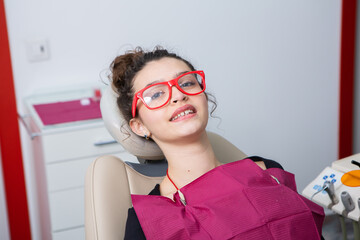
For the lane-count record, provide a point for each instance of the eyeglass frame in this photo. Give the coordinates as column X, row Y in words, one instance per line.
column 170, row 84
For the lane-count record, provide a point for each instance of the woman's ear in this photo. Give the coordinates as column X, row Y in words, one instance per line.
column 138, row 127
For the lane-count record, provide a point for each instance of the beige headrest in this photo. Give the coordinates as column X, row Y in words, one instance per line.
column 121, row 131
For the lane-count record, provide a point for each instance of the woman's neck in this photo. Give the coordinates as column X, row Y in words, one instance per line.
column 189, row 160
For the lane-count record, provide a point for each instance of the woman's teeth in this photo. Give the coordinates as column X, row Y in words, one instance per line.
column 182, row 114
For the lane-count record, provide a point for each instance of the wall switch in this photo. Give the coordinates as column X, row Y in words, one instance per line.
column 38, row 50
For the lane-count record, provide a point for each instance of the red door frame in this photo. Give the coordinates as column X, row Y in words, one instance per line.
column 347, row 72
column 11, row 157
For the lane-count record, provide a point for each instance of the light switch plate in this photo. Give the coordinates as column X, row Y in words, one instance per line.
column 38, row 50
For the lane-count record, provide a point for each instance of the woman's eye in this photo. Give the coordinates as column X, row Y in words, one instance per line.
column 187, row 84
column 156, row 95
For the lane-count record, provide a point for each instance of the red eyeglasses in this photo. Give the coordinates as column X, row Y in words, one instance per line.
column 158, row 95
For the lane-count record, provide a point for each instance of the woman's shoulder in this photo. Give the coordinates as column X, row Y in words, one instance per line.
column 156, row 190
column 131, row 211
column 267, row 162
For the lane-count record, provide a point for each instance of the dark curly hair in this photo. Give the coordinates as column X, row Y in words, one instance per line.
column 126, row 66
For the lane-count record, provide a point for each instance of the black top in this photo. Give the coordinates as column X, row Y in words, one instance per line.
column 133, row 229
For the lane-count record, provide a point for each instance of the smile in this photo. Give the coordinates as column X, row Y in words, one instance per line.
column 186, row 112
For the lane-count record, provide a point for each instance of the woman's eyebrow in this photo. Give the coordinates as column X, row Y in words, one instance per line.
column 180, row 73
column 157, row 81
column 153, row 82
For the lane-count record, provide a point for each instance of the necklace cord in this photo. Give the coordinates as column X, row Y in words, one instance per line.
column 181, row 195
column 167, row 174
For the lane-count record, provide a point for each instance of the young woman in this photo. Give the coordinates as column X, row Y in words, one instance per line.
column 163, row 99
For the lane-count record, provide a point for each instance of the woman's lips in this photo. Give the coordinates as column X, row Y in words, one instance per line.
column 183, row 111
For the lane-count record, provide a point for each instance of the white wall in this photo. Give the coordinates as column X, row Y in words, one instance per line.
column 272, row 64
column 4, row 225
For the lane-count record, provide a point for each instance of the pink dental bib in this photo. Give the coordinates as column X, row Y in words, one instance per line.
column 237, row 200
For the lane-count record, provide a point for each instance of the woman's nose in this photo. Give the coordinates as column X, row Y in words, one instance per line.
column 177, row 95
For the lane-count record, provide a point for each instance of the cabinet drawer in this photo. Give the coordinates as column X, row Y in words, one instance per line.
column 67, row 174
column 70, row 174
column 73, row 234
column 67, row 209
column 78, row 144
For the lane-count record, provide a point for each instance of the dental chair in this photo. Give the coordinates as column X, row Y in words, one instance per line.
column 110, row 181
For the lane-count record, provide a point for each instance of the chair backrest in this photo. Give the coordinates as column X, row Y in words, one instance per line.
column 110, row 182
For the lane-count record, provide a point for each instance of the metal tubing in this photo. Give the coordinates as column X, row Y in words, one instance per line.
column 356, row 230
column 27, row 127
column 343, row 227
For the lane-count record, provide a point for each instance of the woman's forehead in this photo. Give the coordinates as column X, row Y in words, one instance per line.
column 161, row 70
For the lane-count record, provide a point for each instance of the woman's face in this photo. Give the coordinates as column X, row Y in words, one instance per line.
column 161, row 122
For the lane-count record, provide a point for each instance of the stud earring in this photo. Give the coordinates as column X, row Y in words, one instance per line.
column 146, row 137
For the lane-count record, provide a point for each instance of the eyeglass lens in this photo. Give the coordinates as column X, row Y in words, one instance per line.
column 158, row 95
